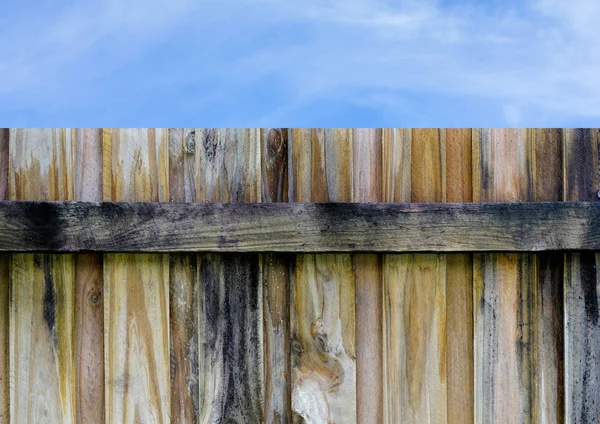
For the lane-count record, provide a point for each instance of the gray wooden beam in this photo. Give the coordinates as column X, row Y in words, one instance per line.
column 297, row 227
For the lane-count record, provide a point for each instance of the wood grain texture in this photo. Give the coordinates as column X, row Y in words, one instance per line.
column 42, row 335
column 308, row 227
column 136, row 287
column 546, row 168
column 582, row 287
column 518, row 371
column 323, row 314
column 4, row 290
column 89, row 287
column 231, row 322
column 183, row 286
column 275, row 271
column 367, row 187
column 459, row 285
column 415, row 305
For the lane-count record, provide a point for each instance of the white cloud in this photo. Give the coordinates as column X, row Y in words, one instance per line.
column 541, row 60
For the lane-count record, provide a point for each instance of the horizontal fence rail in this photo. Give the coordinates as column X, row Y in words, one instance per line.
column 297, row 227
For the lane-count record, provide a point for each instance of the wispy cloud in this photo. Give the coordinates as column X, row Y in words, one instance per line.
column 267, row 62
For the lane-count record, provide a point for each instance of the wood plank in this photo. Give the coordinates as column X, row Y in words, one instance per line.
column 230, row 315
column 415, row 304
column 183, row 288
column 582, row 286
column 275, row 271
column 323, row 313
column 4, row 290
column 42, row 336
column 459, row 285
column 546, row 147
column 307, row 227
column 89, row 287
column 517, row 305
column 367, row 187
column 136, row 287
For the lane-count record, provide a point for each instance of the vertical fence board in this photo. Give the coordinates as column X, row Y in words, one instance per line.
column 323, row 316
column 546, row 167
column 4, row 289
column 276, row 285
column 89, row 305
column 367, row 187
column 459, row 285
column 415, row 301
column 136, row 302
column 582, row 287
column 183, row 287
column 507, row 297
column 42, row 348
column 230, row 306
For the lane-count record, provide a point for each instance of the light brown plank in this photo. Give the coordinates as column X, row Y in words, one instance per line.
column 367, row 187
column 459, row 285
column 4, row 290
column 89, row 287
column 582, row 286
column 275, row 271
column 183, row 292
column 323, row 314
column 42, row 334
column 230, row 315
column 416, row 355
column 136, row 287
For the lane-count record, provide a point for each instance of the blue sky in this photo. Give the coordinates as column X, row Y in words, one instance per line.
column 352, row 63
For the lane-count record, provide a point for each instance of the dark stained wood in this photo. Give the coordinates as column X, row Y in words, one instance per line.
column 230, row 363
column 306, row 227
column 582, row 287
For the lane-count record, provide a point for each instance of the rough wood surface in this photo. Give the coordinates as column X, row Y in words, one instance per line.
column 183, row 286
column 89, row 305
column 275, row 271
column 415, row 304
column 136, row 287
column 582, row 287
column 42, row 330
column 323, row 315
column 518, row 371
column 230, row 315
column 4, row 290
column 459, row 285
column 367, row 187
column 281, row 227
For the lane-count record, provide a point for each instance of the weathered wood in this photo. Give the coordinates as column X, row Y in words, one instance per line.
column 546, row 168
column 42, row 343
column 323, row 314
column 89, row 305
column 183, row 286
column 275, row 271
column 136, row 287
column 517, row 305
column 230, row 329
column 367, row 187
column 415, row 305
column 281, row 227
column 4, row 290
column 459, row 285
column 582, row 286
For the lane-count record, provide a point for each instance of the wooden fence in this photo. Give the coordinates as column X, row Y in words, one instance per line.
column 274, row 336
